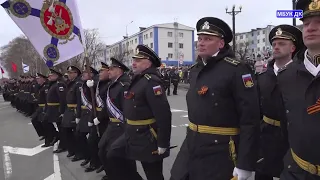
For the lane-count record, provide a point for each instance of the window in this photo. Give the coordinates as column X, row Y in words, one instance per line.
column 151, row 45
column 258, row 41
column 136, row 40
column 264, row 40
column 252, row 34
column 181, row 35
column 151, row 34
column 258, row 49
column 180, row 45
column 146, row 36
column 258, row 33
column 169, row 34
column 264, row 48
column 264, row 31
column 252, row 42
column 170, row 55
column 170, row 45
column 241, row 37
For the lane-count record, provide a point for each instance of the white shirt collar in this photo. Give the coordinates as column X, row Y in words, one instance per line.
column 309, row 66
column 276, row 68
column 205, row 63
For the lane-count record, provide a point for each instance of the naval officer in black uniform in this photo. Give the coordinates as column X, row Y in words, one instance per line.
column 300, row 85
column 286, row 41
column 148, row 114
column 223, row 109
column 68, row 120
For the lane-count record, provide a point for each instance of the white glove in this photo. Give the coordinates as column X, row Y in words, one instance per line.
column 161, row 150
column 241, row 174
column 90, row 83
column 90, row 124
column 96, row 121
column 61, row 115
column 77, row 120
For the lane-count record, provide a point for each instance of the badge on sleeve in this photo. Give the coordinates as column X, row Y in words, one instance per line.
column 157, row 90
column 247, row 80
column 61, row 89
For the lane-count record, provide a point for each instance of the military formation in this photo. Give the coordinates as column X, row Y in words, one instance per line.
column 240, row 122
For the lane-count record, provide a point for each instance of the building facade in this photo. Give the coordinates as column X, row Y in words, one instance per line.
column 255, row 41
column 173, row 42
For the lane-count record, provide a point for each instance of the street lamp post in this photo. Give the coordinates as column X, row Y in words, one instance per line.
column 127, row 45
column 294, row 3
column 233, row 13
column 127, row 28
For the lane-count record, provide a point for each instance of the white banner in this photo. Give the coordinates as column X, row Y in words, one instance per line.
column 53, row 27
column 25, row 68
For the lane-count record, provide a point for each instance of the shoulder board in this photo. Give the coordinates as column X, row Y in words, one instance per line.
column 152, row 77
column 147, row 76
column 124, row 83
column 193, row 65
column 232, row 61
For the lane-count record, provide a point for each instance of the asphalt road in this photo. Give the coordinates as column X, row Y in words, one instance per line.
column 38, row 164
column 17, row 131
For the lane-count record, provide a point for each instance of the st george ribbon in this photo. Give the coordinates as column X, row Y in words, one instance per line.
column 53, row 27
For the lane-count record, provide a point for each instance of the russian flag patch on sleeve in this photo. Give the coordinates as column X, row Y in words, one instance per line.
column 157, row 90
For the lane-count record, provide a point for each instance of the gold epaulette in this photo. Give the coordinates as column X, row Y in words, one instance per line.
column 232, row 61
column 147, row 76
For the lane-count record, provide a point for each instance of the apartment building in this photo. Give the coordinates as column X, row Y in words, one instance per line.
column 173, row 42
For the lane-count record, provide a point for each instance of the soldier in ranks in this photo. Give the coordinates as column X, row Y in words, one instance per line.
column 68, row 121
column 27, row 96
column 148, row 115
column 31, row 100
column 40, row 99
column 300, row 83
column 102, row 118
column 55, row 107
column 167, row 81
column 118, row 167
column 84, row 118
column 223, row 108
column 94, row 134
column 20, row 94
column 286, row 41
column 13, row 92
column 175, row 78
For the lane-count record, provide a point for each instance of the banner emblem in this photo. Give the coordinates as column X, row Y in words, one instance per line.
column 57, row 20
column 20, row 8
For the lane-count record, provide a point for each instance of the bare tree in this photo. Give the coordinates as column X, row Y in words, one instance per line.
column 119, row 56
column 21, row 50
column 94, row 46
column 242, row 50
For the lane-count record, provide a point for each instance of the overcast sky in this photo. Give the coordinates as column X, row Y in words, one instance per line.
column 112, row 16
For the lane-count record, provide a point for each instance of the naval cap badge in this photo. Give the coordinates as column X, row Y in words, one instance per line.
column 206, row 25
column 279, row 32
